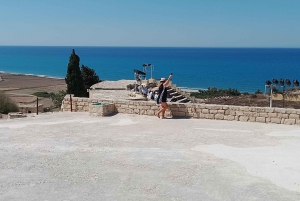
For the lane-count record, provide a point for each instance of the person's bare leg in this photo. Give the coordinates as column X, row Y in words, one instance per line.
column 160, row 111
column 165, row 107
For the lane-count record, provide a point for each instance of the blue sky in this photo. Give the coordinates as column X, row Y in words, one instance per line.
column 164, row 23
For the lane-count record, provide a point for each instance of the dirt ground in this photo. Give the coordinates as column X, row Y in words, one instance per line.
column 23, row 85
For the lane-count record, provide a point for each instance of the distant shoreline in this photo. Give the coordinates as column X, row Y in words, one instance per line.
column 23, row 74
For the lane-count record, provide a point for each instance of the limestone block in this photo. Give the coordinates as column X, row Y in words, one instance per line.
column 261, row 119
column 154, row 107
column 263, row 114
column 214, row 107
column 245, row 108
column 234, row 108
column 205, row 111
column 81, row 103
column 221, row 111
column 232, row 113
column 280, row 110
column 276, row 120
column 269, row 109
column 129, row 111
column 217, row 107
column 239, row 113
column 178, row 114
column 168, row 114
column 201, row 116
column 183, row 109
column 290, row 121
column 272, row 115
column 291, row 111
column 226, row 112
column 268, row 119
column 188, row 114
column 236, row 118
column 297, row 122
column 209, row 116
column 294, row 116
column 229, row 117
column 132, row 106
column 225, row 107
column 198, row 110
column 202, row 106
column 281, row 115
column 146, row 107
column 252, row 119
column 213, row 111
column 191, row 109
column 136, row 111
column 219, row 116
column 243, row 118
column 124, row 106
column 196, row 115
column 249, row 114
column 150, row 112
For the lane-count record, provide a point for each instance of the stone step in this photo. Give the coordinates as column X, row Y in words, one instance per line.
column 178, row 97
column 170, row 90
column 174, row 93
column 182, row 100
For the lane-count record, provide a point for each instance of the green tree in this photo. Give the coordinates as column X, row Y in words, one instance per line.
column 89, row 77
column 74, row 78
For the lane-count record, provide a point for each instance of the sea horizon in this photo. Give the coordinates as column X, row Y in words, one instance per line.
column 242, row 68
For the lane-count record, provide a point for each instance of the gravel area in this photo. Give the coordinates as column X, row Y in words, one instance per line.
column 73, row 156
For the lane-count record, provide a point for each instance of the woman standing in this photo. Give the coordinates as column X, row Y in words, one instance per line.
column 163, row 95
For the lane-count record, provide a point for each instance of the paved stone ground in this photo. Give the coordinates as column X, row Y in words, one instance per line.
column 72, row 156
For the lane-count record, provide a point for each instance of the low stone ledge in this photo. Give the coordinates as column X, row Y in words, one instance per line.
column 202, row 111
column 14, row 115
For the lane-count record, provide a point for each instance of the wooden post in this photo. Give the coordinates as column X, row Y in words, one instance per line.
column 37, row 105
column 71, row 102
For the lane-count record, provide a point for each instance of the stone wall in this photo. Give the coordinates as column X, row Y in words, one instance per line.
column 193, row 110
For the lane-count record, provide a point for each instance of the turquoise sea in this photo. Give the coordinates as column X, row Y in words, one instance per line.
column 245, row 69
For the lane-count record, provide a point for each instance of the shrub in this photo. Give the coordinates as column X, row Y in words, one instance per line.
column 257, row 92
column 57, row 98
column 214, row 92
column 43, row 94
column 7, row 105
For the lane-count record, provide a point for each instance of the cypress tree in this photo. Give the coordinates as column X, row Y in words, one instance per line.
column 73, row 78
column 89, row 76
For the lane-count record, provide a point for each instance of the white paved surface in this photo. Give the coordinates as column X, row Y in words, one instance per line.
column 72, row 156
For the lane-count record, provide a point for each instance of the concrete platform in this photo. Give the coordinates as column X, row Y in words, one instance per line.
column 74, row 156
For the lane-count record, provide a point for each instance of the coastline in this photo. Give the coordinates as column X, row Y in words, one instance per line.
column 28, row 84
column 8, row 75
column 29, row 74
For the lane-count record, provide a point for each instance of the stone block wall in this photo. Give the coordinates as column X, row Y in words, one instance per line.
column 193, row 110
column 98, row 109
